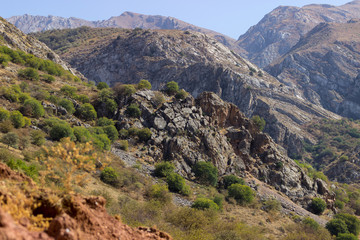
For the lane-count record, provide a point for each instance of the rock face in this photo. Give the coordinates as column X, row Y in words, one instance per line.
column 198, row 63
column 282, row 28
column 209, row 129
column 28, row 23
column 324, row 67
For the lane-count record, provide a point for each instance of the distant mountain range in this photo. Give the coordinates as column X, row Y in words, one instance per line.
column 28, row 23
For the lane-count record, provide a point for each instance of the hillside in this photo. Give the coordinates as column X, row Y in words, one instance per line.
column 129, row 20
column 324, row 67
column 282, row 28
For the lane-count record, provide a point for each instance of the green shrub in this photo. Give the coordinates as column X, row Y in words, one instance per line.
column 352, row 222
column 271, row 205
column 48, row 78
column 10, row 139
column 158, row 99
column 339, row 204
column 232, row 179
column 336, row 226
column 33, row 108
column 172, row 88
column 109, row 176
column 218, row 199
column 41, row 95
column 144, row 84
column 144, row 134
column 68, row 90
column 4, row 59
column 111, row 132
column 102, row 85
column 59, row 131
column 6, row 126
column 10, row 94
column 37, row 137
column 308, row 221
column 103, row 121
column 17, row 119
column 124, row 145
column 241, row 193
column 346, row 236
column 4, row 114
column 87, row 112
column 163, row 169
column 68, row 105
column 82, row 134
column 204, row 203
column 6, row 155
column 206, row 173
column 123, row 133
column 102, row 141
column 182, row 94
column 133, row 110
column 19, row 165
column 83, row 98
column 160, row 193
column 177, row 183
column 124, row 89
column 23, row 97
column 259, row 122
column 29, row 73
column 317, row 206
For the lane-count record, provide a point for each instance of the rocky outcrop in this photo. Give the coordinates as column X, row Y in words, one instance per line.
column 199, row 63
column 324, row 68
column 282, row 28
column 209, row 129
column 28, row 23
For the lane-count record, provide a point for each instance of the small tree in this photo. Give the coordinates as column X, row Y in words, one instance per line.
column 111, row 132
column 317, row 206
column 206, row 173
column 144, row 84
column 103, row 121
column 336, row 226
column 204, row 203
column 182, row 94
column 82, row 134
column 17, row 119
column 109, row 176
column 37, row 137
column 33, row 108
column 102, row 85
column 163, row 169
column 59, row 131
column 352, row 222
column 160, row 193
column 68, row 90
column 144, row 134
column 177, row 183
column 87, row 112
column 172, row 88
column 241, row 193
column 232, row 179
column 68, row 105
column 259, row 122
column 133, row 110
column 10, row 139
column 124, row 89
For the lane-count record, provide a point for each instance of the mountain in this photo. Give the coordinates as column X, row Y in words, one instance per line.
column 198, row 63
column 28, row 23
column 324, row 67
column 282, row 28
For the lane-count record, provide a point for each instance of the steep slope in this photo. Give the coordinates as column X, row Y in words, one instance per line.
column 198, row 63
column 28, row 23
column 282, row 28
column 324, row 67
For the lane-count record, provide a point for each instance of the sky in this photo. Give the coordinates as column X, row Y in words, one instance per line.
column 230, row 17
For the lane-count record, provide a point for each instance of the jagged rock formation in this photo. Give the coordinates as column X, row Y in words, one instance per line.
column 14, row 38
column 324, row 67
column 209, row 129
column 28, row 23
column 198, row 63
column 282, row 28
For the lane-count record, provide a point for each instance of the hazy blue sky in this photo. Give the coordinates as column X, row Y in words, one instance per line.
column 230, row 17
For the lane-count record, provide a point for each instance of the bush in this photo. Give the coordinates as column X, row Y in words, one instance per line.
column 271, row 205
column 4, row 114
column 109, row 176
column 352, row 222
column 308, row 221
column 144, row 84
column 158, row 99
column 59, row 131
column 103, row 121
column 48, row 78
column 102, row 141
column 17, row 119
column 33, row 108
column 346, row 236
column 317, row 206
column 160, row 193
column 4, row 59
column 232, row 179
column 87, row 112
column 6, row 126
column 124, row 89
column 29, row 73
column 206, row 173
column 163, row 169
column 182, row 94
column 241, row 193
column 68, row 90
column 23, row 97
column 204, row 203
column 83, row 98
column 172, row 88
column 10, row 139
column 37, row 137
column 82, row 134
column 177, row 184
column 259, row 122
column 102, row 85
column 123, row 133
column 339, row 204
column 336, row 226
column 124, row 145
column 111, row 132
column 68, row 105
column 144, row 134
column 133, row 110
